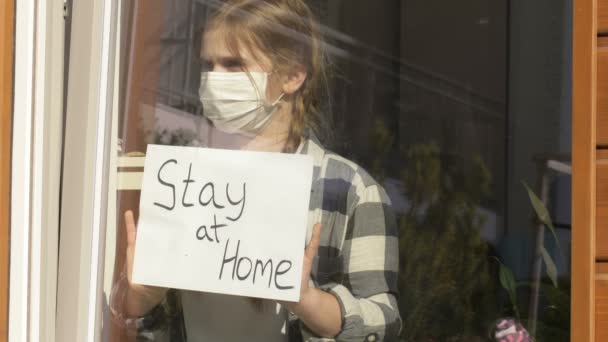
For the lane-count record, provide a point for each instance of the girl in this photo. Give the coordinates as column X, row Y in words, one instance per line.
column 260, row 89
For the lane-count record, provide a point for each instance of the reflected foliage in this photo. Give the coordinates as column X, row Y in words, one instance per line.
column 453, row 287
column 448, row 292
column 554, row 324
column 179, row 137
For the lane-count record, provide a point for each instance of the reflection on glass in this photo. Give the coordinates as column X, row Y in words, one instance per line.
column 418, row 100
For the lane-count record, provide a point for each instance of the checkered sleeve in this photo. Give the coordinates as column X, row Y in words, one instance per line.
column 367, row 294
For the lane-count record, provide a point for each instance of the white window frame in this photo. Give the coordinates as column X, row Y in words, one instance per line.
column 87, row 155
column 55, row 293
column 35, row 168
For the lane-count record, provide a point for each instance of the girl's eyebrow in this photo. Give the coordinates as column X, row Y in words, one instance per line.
column 231, row 60
column 224, row 60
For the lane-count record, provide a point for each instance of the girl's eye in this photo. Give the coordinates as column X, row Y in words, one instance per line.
column 207, row 65
column 232, row 64
column 229, row 64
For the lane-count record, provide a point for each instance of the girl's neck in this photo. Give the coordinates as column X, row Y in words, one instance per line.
column 274, row 136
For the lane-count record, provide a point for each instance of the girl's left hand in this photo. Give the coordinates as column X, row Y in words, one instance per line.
column 319, row 310
column 310, row 252
column 309, row 256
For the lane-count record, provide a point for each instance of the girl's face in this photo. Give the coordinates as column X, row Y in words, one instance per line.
column 216, row 57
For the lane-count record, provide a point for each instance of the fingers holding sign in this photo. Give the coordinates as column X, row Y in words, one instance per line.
column 131, row 230
column 309, row 256
column 140, row 298
column 313, row 246
column 319, row 310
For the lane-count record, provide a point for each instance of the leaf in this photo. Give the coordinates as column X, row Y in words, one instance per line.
column 551, row 269
column 539, row 207
column 507, row 280
column 543, row 215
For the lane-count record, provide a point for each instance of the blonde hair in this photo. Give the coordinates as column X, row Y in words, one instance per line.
column 287, row 33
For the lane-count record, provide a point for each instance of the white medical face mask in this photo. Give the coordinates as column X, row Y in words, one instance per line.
column 236, row 101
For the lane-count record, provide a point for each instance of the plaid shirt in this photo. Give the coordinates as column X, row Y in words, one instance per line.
column 358, row 258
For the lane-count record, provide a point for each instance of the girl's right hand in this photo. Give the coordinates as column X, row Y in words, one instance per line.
column 131, row 236
column 141, row 297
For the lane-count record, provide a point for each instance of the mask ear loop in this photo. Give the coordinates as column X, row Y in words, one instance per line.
column 280, row 97
column 277, row 100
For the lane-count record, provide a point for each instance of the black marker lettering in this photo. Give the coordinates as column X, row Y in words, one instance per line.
column 172, row 206
column 187, row 182
column 238, row 267
column 233, row 259
column 215, row 226
column 279, row 272
column 255, row 270
column 204, row 235
column 241, row 202
column 211, row 199
column 244, row 267
column 204, row 204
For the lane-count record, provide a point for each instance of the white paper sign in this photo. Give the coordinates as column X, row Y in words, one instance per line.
column 223, row 221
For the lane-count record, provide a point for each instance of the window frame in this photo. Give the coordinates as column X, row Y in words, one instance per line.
column 90, row 138
column 35, row 168
column 87, row 153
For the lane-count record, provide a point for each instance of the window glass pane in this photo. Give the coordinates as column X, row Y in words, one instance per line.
column 449, row 122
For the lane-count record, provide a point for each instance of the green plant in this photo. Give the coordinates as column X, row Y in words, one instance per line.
column 556, row 301
column 448, row 290
column 451, row 288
